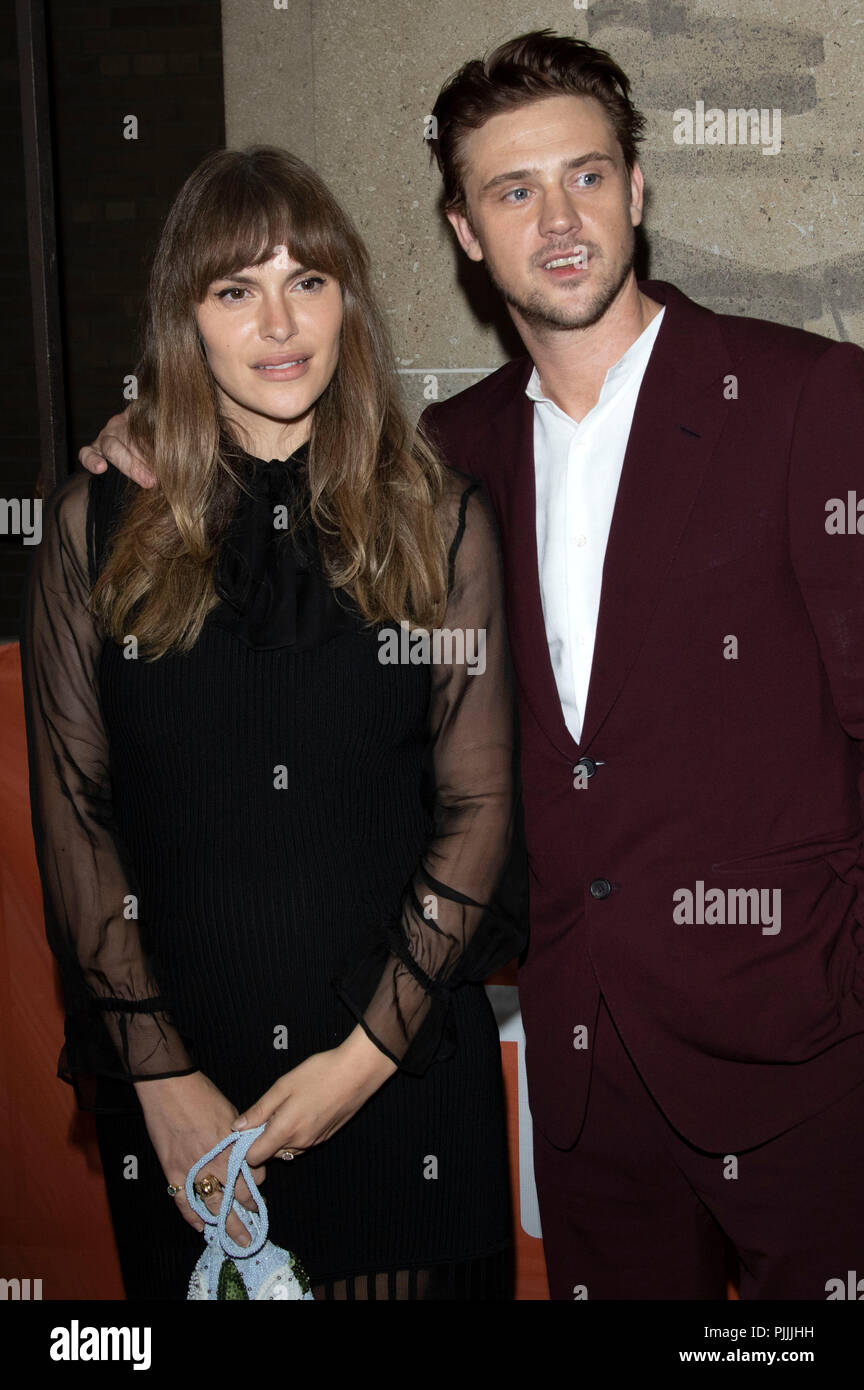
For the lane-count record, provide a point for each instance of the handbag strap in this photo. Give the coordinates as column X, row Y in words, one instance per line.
column 255, row 1222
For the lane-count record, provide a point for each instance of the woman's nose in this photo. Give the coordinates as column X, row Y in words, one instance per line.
column 277, row 319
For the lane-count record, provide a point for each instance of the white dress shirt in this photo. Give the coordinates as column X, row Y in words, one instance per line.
column 577, row 467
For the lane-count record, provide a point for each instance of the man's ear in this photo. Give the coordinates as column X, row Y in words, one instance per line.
column 637, row 186
column 465, row 232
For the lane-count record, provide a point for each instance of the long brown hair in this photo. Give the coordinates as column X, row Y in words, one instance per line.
column 373, row 482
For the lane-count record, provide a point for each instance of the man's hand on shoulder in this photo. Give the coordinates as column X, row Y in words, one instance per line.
column 115, row 447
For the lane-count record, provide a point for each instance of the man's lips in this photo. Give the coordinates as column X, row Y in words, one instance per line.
column 566, row 262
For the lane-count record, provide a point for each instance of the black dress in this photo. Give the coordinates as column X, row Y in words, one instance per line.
column 247, row 848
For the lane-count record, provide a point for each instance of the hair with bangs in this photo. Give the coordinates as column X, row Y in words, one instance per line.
column 523, row 70
column 373, row 482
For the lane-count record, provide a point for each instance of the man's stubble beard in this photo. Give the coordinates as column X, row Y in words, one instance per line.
column 538, row 314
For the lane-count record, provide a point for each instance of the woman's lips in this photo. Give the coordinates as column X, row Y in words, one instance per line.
column 287, row 371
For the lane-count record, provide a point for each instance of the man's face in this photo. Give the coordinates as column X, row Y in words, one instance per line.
column 547, row 182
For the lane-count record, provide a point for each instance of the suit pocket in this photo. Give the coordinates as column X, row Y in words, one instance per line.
column 836, row 848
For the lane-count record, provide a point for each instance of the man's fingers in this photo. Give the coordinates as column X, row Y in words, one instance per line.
column 91, row 459
column 113, row 448
column 96, row 458
column 127, row 462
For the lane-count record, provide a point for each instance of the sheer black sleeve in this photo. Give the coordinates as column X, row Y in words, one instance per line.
column 463, row 913
column 117, row 1024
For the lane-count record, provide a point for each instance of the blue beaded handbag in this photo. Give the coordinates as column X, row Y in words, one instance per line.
column 226, row 1270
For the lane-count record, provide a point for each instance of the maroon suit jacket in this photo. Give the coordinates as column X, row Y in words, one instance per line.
column 736, row 772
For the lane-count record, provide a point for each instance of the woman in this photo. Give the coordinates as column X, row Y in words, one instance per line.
column 270, row 853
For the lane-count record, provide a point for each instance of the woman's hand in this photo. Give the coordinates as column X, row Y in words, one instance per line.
column 313, row 1100
column 114, row 446
column 186, row 1116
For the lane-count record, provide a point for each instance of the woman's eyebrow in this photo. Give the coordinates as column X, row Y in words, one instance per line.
column 241, row 279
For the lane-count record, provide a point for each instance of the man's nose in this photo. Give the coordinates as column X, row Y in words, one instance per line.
column 558, row 213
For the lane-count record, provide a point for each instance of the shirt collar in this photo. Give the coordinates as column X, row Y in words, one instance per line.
column 630, row 365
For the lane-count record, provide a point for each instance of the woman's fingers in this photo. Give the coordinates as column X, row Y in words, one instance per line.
column 242, row 1193
column 278, row 1115
column 233, row 1225
column 218, row 1170
column 185, row 1210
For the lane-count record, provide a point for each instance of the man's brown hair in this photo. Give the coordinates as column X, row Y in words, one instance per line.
column 525, row 69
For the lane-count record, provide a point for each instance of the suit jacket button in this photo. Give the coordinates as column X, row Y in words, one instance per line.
column 589, row 765
column 600, row 888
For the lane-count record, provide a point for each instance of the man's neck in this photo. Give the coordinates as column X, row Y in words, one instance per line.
column 572, row 364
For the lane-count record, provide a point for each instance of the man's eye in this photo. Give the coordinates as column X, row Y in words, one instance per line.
column 512, row 194
column 590, row 176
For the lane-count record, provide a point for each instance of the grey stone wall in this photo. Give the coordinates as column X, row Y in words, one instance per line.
column 772, row 235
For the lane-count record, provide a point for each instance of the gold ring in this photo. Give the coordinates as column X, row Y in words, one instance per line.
column 207, row 1186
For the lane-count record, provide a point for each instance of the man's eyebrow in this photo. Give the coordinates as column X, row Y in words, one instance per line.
column 594, row 157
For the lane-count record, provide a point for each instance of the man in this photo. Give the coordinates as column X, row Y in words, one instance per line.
column 686, row 627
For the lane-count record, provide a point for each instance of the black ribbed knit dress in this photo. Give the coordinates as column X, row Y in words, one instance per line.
column 249, row 847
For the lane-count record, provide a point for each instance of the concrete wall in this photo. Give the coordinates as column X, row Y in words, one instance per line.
column 347, row 86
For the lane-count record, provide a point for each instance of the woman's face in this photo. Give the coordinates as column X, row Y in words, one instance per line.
column 271, row 338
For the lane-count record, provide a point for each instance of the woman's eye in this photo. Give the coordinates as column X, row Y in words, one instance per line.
column 235, row 294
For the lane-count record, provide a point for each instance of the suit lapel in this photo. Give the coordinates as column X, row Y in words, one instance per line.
column 680, row 413
column 511, row 442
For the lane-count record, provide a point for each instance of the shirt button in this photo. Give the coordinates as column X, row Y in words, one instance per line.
column 600, row 888
column 581, row 540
